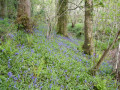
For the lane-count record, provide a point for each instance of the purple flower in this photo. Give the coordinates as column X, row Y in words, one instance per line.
column 1, row 19
column 29, row 86
column 78, row 76
column 32, row 78
column 65, row 71
column 16, row 53
column 32, row 51
column 3, row 50
column 15, row 78
column 35, row 80
column 15, row 86
column 62, row 86
column 18, row 76
column 9, row 65
column 41, row 87
column 10, row 74
column 85, row 81
column 50, row 86
column 9, row 59
column 10, row 35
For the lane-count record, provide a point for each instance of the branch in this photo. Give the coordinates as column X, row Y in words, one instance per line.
column 77, row 6
column 104, row 54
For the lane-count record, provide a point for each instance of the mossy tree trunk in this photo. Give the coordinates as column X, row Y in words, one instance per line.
column 12, row 8
column 23, row 16
column 88, row 43
column 62, row 17
column 3, row 8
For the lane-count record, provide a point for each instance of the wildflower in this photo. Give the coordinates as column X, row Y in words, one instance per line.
column 15, row 86
column 32, row 51
column 18, row 76
column 29, row 86
column 41, row 87
column 50, row 85
column 16, row 53
column 3, row 50
column 85, row 81
column 28, row 69
column 36, row 85
column 62, row 86
column 9, row 65
column 15, row 78
column 35, row 80
column 32, row 78
column 9, row 59
column 10, row 35
column 10, row 74
column 78, row 76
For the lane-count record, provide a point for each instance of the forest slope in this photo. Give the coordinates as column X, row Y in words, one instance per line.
column 33, row 62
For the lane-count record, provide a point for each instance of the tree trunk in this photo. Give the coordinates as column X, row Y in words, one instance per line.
column 3, row 8
column 12, row 6
column 23, row 16
column 62, row 17
column 88, row 43
column 94, row 70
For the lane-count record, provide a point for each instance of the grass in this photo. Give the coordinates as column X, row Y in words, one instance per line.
column 32, row 62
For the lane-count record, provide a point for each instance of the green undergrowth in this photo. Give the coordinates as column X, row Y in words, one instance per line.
column 32, row 62
column 78, row 29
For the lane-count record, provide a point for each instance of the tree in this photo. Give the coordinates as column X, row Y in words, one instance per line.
column 24, row 14
column 97, row 66
column 12, row 8
column 3, row 8
column 62, row 17
column 88, row 43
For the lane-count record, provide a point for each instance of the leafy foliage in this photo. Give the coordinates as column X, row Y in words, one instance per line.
column 34, row 62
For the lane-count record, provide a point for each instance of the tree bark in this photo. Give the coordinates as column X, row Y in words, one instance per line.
column 24, row 14
column 104, row 55
column 88, row 43
column 62, row 17
column 3, row 8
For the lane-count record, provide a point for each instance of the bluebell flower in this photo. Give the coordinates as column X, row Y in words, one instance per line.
column 28, row 69
column 16, row 53
column 22, row 46
column 3, row 50
column 10, row 74
column 41, row 87
column 15, row 78
column 23, row 75
column 9, row 65
column 18, row 76
column 1, row 19
column 32, row 78
column 78, row 76
column 15, row 86
column 62, row 86
column 35, row 80
column 8, row 62
column 32, row 51
column 29, row 86
column 9, row 59
column 50, row 86
column 10, row 35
